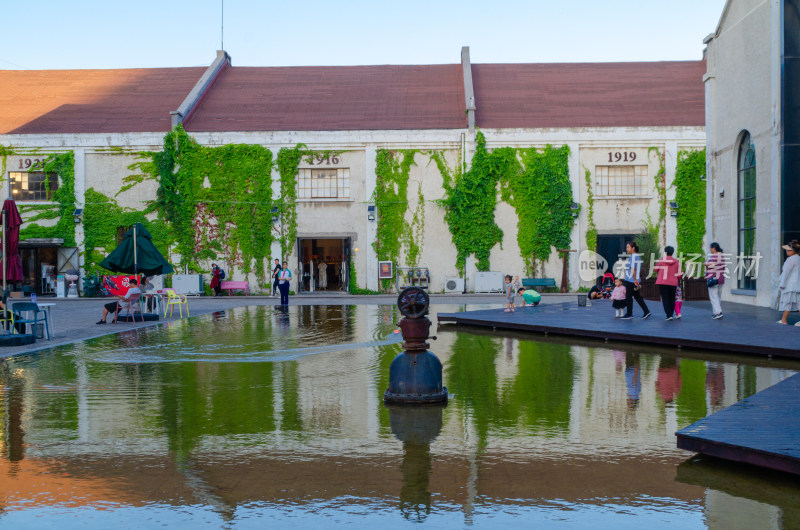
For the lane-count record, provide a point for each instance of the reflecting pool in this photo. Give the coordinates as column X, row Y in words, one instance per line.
column 256, row 415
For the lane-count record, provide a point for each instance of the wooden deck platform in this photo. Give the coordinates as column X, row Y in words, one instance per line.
column 749, row 331
column 762, row 430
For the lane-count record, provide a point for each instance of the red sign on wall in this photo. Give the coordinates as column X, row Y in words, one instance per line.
column 385, row 271
column 116, row 285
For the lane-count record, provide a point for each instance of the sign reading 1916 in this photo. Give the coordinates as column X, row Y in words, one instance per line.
column 621, row 156
column 323, row 159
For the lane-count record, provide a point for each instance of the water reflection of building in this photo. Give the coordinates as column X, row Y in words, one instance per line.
column 314, row 427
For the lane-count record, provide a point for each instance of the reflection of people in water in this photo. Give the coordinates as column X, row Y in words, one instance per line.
column 633, row 380
column 282, row 314
column 509, row 348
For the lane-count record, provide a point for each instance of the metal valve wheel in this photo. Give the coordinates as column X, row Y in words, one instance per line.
column 413, row 302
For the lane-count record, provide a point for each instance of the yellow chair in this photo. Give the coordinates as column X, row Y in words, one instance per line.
column 7, row 321
column 175, row 299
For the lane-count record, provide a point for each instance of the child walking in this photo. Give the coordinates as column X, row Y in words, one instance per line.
column 678, row 301
column 509, row 295
column 618, row 298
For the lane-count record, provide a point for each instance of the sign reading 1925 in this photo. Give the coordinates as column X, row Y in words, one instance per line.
column 624, row 156
column 28, row 163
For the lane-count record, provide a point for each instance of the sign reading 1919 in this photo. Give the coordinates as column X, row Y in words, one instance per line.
column 624, row 156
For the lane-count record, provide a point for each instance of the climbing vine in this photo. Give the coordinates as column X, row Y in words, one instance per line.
column 353, row 287
column 661, row 188
column 470, row 198
column 690, row 195
column 534, row 181
column 288, row 162
column 591, row 230
column 216, row 200
column 416, row 231
column 102, row 220
column 542, row 195
column 391, row 198
column 62, row 166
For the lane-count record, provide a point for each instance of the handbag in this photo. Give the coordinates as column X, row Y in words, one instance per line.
column 711, row 282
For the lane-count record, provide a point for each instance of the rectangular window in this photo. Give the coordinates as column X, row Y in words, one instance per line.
column 32, row 186
column 623, row 181
column 324, row 184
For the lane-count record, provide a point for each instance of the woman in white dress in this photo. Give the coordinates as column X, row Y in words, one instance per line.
column 790, row 282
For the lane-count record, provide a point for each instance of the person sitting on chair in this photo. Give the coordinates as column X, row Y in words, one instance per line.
column 118, row 305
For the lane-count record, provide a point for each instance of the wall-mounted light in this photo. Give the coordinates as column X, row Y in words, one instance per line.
column 673, row 206
column 370, row 212
column 576, row 209
column 274, row 211
column 722, row 193
column 77, row 215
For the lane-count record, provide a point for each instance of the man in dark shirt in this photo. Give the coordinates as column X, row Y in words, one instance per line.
column 275, row 272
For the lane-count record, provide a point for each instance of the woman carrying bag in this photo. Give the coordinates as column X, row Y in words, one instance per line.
column 789, row 285
column 715, row 278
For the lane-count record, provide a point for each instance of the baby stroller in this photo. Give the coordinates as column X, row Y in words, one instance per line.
column 607, row 285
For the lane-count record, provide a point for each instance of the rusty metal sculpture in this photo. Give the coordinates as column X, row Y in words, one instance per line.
column 415, row 375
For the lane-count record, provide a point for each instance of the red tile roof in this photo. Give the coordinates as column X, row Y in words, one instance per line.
column 92, row 101
column 333, row 98
column 589, row 94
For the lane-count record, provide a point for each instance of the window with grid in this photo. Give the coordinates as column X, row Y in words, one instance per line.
column 629, row 181
column 32, row 186
column 324, row 184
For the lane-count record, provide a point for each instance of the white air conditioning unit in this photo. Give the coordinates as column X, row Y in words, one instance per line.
column 454, row 285
column 489, row 282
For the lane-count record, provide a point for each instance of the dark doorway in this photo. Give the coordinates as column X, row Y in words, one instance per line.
column 323, row 264
column 39, row 270
column 612, row 246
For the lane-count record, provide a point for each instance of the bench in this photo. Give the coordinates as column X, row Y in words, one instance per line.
column 538, row 282
column 234, row 286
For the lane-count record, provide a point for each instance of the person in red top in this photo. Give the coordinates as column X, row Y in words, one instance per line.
column 669, row 273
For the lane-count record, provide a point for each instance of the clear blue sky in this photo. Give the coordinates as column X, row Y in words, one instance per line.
column 49, row 34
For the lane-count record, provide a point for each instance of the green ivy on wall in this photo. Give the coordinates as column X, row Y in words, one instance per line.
column 538, row 188
column 353, row 287
column 416, row 231
column 591, row 230
column 542, row 195
column 288, row 169
column 216, row 200
column 661, row 189
column 470, row 198
column 690, row 194
column 62, row 166
column 102, row 220
column 391, row 198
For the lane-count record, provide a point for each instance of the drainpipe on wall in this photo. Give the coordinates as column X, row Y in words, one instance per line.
column 469, row 91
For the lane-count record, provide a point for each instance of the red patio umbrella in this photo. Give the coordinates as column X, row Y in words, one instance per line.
column 12, row 270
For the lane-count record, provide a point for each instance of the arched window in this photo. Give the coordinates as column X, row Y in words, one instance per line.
column 746, row 168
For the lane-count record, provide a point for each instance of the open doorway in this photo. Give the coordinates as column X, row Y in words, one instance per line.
column 323, row 264
column 612, row 246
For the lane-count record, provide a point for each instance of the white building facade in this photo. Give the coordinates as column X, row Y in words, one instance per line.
column 619, row 143
column 752, row 120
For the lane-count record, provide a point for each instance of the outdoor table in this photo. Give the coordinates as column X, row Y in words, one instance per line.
column 157, row 297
